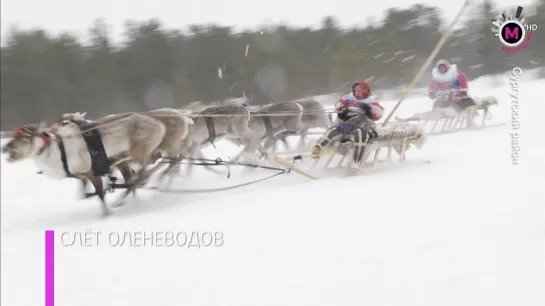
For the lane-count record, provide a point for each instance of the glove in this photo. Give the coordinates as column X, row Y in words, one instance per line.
column 342, row 113
column 432, row 94
column 367, row 109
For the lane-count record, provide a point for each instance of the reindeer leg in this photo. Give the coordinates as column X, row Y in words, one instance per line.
column 126, row 172
column 85, row 194
column 174, row 164
column 135, row 180
column 174, row 169
column 83, row 188
column 246, row 149
column 128, row 176
column 99, row 187
column 193, row 151
column 142, row 177
column 270, row 143
column 259, row 147
column 274, row 144
column 284, row 140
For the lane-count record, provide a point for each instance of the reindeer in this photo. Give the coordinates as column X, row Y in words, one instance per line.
column 314, row 116
column 269, row 121
column 229, row 122
column 124, row 166
column 125, row 137
column 177, row 129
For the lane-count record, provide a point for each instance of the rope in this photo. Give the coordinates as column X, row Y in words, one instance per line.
column 216, row 189
column 255, row 114
column 219, row 162
column 199, row 115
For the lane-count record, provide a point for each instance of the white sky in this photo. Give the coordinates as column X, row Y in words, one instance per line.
column 76, row 16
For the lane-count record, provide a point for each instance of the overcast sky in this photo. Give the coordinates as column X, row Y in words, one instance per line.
column 76, row 16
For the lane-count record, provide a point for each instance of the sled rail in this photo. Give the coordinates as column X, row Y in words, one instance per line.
column 450, row 124
column 341, row 157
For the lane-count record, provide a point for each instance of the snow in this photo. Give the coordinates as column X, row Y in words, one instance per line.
column 467, row 229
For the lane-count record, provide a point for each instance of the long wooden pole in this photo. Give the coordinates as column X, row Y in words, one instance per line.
column 426, row 64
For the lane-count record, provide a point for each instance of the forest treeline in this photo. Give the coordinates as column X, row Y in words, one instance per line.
column 43, row 76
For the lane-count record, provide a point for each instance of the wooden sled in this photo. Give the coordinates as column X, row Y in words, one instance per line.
column 340, row 154
column 441, row 122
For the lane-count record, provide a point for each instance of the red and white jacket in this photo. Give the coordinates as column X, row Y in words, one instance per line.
column 350, row 102
column 452, row 79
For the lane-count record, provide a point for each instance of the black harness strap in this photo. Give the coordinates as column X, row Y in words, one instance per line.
column 64, row 160
column 99, row 160
column 211, row 129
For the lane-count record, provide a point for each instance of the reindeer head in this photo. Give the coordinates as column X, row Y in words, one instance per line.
column 24, row 142
column 490, row 100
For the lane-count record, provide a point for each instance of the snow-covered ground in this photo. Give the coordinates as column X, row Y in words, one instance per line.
column 467, row 229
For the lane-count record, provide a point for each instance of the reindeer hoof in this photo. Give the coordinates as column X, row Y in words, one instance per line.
column 89, row 195
column 106, row 213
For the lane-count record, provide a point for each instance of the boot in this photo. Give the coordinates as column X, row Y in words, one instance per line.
column 316, row 150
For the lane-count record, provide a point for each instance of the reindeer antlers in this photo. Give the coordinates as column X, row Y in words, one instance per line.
column 80, row 116
column 73, row 116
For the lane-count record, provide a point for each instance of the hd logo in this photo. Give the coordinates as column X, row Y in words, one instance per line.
column 514, row 33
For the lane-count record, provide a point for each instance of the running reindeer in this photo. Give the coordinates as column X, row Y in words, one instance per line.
column 177, row 129
column 93, row 140
column 229, row 122
column 268, row 122
column 124, row 137
column 314, row 116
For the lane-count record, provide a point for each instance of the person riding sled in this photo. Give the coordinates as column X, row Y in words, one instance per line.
column 356, row 116
column 449, row 87
column 449, row 90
